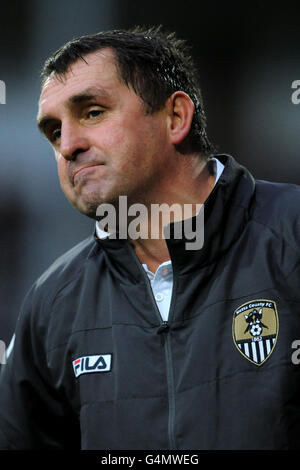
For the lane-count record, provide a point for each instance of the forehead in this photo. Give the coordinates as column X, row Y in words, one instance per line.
column 98, row 69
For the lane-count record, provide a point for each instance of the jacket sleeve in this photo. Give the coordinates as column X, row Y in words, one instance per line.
column 33, row 413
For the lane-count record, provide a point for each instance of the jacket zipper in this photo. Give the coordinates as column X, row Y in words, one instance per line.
column 164, row 327
column 171, row 389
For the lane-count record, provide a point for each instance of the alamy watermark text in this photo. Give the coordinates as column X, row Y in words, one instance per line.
column 2, row 92
column 137, row 221
column 295, row 97
column 2, row 352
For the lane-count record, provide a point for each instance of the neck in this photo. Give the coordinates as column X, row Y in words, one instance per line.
column 152, row 253
column 192, row 187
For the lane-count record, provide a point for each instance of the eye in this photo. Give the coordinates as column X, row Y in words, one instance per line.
column 94, row 113
column 55, row 134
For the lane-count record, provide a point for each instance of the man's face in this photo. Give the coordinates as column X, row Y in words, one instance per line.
column 104, row 143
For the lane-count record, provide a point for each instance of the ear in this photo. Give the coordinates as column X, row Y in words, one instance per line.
column 180, row 113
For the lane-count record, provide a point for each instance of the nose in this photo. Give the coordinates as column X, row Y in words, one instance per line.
column 72, row 140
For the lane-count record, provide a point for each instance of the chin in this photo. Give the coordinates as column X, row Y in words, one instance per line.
column 88, row 203
column 87, row 208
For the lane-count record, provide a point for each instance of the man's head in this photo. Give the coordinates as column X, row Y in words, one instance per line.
column 154, row 64
column 114, row 106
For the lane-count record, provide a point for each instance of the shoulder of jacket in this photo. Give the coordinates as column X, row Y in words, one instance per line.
column 36, row 308
column 277, row 205
column 276, row 198
column 71, row 261
column 64, row 269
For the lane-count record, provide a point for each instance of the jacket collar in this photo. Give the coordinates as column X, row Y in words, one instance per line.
column 226, row 212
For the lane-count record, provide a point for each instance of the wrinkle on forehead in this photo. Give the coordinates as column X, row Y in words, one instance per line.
column 98, row 69
column 104, row 57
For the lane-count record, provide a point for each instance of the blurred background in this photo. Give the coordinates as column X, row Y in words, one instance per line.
column 247, row 54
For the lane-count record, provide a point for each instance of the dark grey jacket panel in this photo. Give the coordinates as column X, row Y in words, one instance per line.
column 185, row 384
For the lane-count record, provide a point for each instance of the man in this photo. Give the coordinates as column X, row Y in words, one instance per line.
column 140, row 342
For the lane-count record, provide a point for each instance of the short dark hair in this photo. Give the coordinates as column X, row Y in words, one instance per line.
column 155, row 64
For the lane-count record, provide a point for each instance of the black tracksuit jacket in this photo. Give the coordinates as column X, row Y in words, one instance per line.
column 95, row 367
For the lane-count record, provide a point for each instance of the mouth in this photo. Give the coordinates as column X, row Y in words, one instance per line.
column 84, row 167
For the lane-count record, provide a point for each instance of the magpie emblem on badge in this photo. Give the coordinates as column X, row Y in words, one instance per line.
column 255, row 330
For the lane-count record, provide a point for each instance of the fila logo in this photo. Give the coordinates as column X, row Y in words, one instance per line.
column 95, row 363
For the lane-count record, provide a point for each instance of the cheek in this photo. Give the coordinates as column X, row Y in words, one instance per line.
column 62, row 170
column 110, row 137
column 123, row 130
column 120, row 145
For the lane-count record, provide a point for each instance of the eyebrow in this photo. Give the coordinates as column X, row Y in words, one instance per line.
column 86, row 95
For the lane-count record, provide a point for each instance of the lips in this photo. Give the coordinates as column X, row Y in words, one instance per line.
column 77, row 170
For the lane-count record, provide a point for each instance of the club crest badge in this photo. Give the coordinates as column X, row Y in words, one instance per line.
column 255, row 330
